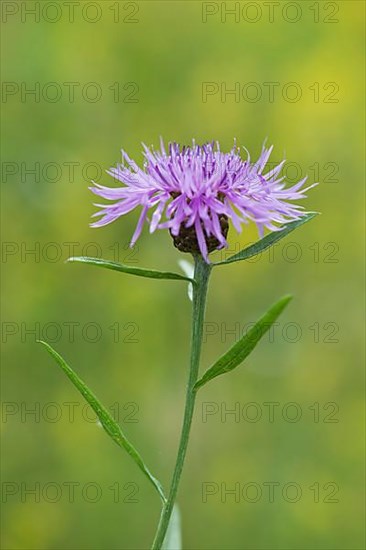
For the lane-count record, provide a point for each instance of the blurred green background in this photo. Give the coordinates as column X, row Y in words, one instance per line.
column 131, row 336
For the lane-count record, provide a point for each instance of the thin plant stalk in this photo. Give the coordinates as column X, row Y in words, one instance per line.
column 201, row 276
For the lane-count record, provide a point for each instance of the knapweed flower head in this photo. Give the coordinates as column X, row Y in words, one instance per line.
column 193, row 191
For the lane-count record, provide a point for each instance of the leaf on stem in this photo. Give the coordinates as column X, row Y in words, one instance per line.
column 241, row 349
column 106, row 420
column 267, row 241
column 139, row 271
column 173, row 537
column 188, row 269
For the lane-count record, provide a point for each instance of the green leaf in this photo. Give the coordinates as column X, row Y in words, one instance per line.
column 173, row 537
column 239, row 351
column 106, row 420
column 140, row 272
column 267, row 241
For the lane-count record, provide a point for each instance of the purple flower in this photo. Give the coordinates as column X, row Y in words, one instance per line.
column 193, row 191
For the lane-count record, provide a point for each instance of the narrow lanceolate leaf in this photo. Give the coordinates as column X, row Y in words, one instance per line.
column 239, row 351
column 173, row 537
column 139, row 271
column 267, row 241
column 106, row 420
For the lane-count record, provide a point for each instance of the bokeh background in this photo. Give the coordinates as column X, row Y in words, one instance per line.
column 129, row 337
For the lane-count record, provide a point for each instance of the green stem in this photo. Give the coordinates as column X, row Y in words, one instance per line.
column 201, row 275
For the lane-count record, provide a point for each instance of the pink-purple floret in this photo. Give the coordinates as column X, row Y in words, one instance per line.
column 195, row 186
